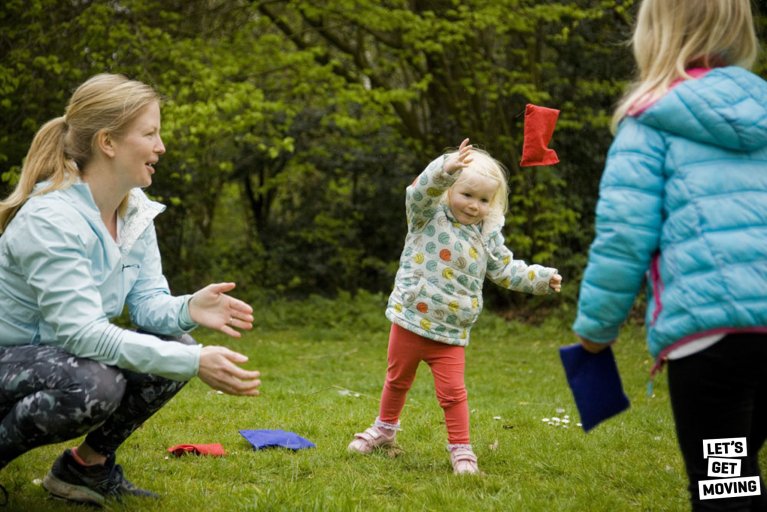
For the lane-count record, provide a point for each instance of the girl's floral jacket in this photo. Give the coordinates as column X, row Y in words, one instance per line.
column 438, row 288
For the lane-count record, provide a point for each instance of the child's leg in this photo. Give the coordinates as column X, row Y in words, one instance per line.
column 447, row 364
column 719, row 393
column 404, row 356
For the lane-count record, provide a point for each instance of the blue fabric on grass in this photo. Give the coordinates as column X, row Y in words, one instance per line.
column 261, row 439
column 595, row 383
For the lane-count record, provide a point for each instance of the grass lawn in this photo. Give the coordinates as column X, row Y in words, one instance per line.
column 323, row 365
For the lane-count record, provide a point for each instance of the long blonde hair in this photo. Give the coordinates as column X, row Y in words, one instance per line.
column 64, row 145
column 674, row 35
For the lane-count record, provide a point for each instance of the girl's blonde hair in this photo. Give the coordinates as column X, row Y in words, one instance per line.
column 62, row 148
column 674, row 35
column 485, row 165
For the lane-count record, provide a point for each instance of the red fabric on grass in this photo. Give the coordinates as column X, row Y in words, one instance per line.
column 216, row 449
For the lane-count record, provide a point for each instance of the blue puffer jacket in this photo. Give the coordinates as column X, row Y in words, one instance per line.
column 684, row 196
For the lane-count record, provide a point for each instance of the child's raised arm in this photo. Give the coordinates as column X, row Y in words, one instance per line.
column 425, row 193
column 459, row 159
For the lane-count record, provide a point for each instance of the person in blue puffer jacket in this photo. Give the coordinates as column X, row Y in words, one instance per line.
column 683, row 201
column 78, row 246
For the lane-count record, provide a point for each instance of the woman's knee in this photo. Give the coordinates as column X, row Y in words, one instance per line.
column 185, row 339
column 94, row 387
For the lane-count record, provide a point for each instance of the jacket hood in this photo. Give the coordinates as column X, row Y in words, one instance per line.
column 724, row 108
column 493, row 222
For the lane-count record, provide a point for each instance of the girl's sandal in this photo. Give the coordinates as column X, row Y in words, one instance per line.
column 464, row 461
column 370, row 439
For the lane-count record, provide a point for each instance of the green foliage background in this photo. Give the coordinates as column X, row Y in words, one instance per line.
column 293, row 126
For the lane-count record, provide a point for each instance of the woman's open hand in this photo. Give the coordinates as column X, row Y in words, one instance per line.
column 213, row 308
column 220, row 369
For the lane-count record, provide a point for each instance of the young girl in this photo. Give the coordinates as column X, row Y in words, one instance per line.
column 684, row 195
column 455, row 212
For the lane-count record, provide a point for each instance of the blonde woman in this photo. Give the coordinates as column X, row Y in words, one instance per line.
column 683, row 198
column 455, row 212
column 78, row 244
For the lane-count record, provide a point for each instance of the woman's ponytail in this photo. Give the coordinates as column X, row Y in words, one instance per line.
column 45, row 160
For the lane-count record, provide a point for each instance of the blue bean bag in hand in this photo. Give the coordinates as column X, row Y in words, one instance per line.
column 595, row 383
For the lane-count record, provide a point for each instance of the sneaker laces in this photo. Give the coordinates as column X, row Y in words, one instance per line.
column 116, row 485
column 119, row 479
column 108, row 483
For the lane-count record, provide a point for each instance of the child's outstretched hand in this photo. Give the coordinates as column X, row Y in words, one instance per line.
column 460, row 159
column 555, row 283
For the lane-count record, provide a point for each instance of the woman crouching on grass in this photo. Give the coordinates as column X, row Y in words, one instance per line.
column 78, row 244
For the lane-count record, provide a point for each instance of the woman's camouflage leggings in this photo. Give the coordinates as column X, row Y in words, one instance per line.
column 48, row 395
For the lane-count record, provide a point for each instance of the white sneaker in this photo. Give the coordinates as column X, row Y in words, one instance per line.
column 463, row 460
column 372, row 438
